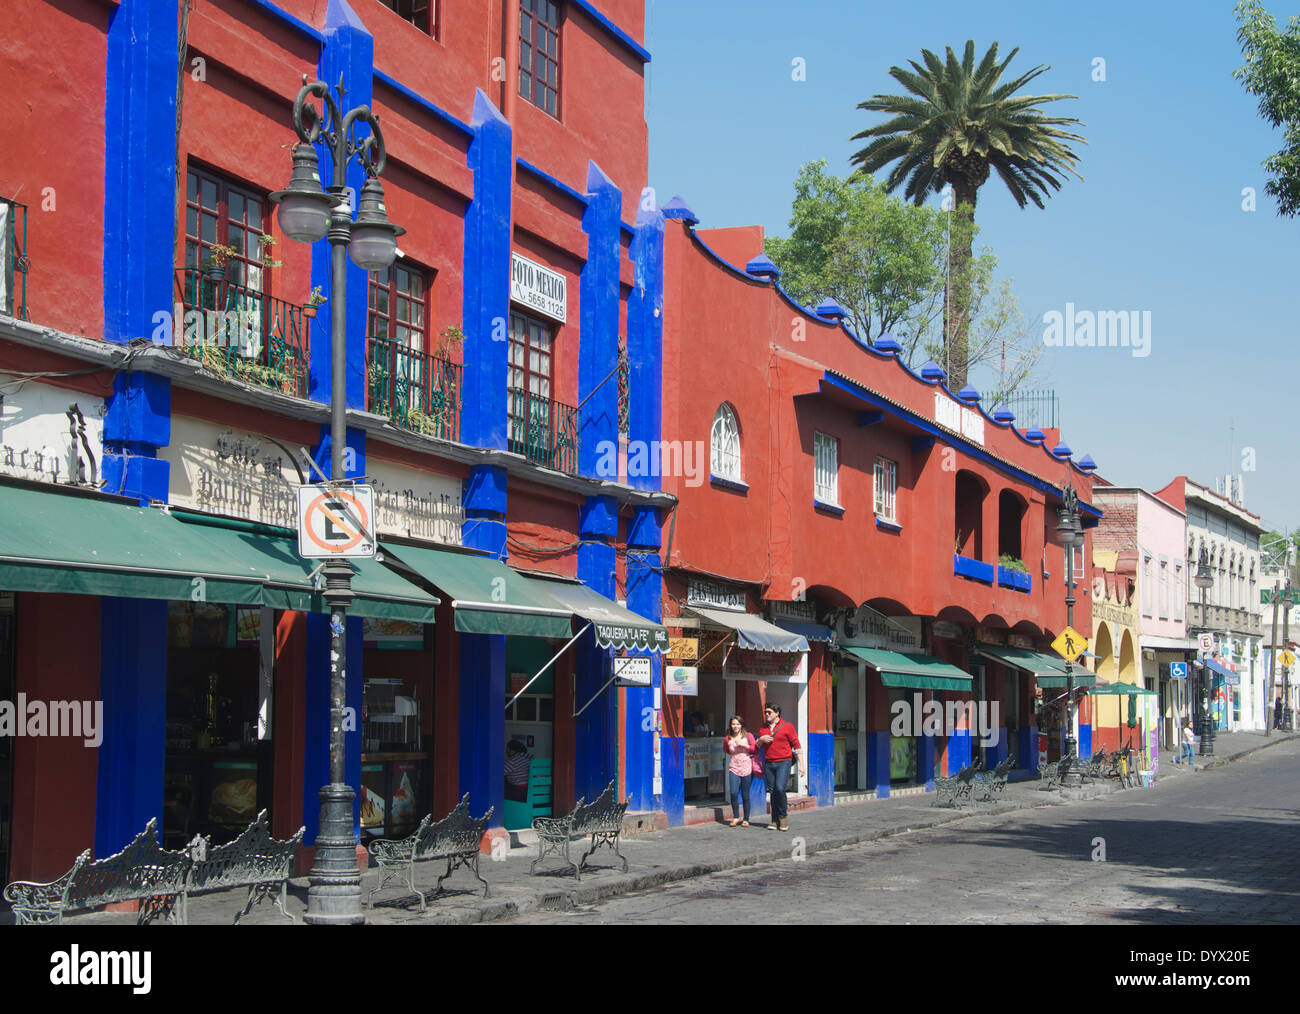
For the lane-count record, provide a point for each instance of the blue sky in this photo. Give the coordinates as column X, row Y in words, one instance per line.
column 1157, row 225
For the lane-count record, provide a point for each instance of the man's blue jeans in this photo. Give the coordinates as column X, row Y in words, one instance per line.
column 777, row 774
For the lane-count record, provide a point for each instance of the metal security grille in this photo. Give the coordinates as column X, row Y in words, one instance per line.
column 724, row 445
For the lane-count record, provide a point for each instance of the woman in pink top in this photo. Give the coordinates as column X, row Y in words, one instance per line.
column 740, row 768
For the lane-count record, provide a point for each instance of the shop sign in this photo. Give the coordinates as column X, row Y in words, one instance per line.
column 681, row 681
column 51, row 434
column 713, row 595
column 695, row 758
column 787, row 666
column 1020, row 641
column 876, row 630
column 948, row 630
column 958, row 418
column 249, row 476
column 685, row 648
column 1124, row 616
column 801, row 610
column 632, row 672
column 986, row 635
column 537, row 288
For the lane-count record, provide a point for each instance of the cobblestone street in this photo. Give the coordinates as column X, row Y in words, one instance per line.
column 1216, row 848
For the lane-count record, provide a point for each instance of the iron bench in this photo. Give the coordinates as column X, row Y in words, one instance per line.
column 254, row 860
column 457, row 838
column 1095, row 768
column 141, row 872
column 956, row 787
column 993, row 782
column 602, row 819
column 1054, row 773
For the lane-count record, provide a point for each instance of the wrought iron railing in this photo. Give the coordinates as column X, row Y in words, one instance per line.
column 243, row 333
column 415, row 390
column 543, row 431
column 13, row 259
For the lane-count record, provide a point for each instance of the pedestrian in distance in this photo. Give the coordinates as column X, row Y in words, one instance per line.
column 1277, row 712
column 781, row 747
column 1186, row 739
column 741, row 767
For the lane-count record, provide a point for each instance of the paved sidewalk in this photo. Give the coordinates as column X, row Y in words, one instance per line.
column 663, row 857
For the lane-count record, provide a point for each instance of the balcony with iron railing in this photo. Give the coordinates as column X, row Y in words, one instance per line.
column 13, row 258
column 240, row 332
column 416, row 390
column 543, row 430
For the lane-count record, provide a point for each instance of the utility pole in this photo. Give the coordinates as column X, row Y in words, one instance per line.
column 1287, row 715
column 1272, row 661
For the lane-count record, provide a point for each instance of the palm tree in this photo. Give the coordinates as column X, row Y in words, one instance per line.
column 957, row 123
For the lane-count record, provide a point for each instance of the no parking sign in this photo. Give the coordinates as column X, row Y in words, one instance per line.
column 335, row 522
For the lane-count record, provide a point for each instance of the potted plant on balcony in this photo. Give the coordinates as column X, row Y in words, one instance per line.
column 216, row 259
column 314, row 300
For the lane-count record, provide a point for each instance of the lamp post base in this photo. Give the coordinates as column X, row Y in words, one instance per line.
column 334, row 894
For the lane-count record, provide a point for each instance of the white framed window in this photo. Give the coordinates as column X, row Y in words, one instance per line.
column 1164, row 588
column 1180, row 592
column 886, row 489
column 826, row 468
column 724, row 444
column 1148, row 586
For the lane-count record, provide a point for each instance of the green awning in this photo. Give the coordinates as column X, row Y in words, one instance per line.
column 71, row 544
column 1036, row 662
column 912, row 671
column 615, row 626
column 488, row 597
column 1120, row 690
column 1082, row 678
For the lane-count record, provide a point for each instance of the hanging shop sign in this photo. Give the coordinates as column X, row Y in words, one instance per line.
column 51, row 434
column 987, row 635
column 538, row 288
column 872, row 629
column 958, row 418
column 777, row 666
column 681, row 680
column 947, row 630
column 632, row 672
column 415, row 503
column 685, row 648
column 802, row 610
column 714, row 595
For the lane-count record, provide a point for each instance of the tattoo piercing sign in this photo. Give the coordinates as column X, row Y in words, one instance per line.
column 335, row 522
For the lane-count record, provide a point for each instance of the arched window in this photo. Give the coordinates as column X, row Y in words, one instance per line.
column 725, row 445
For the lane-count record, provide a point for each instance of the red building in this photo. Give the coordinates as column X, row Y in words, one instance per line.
column 858, row 505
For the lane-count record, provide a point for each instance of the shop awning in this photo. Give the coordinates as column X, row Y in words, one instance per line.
column 810, row 631
column 1218, row 668
column 71, row 544
column 615, row 626
column 379, row 593
column 754, row 632
column 912, row 671
column 1038, row 663
column 1121, row 689
column 488, row 597
column 1082, row 678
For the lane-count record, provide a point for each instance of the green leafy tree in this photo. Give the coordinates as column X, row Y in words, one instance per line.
column 958, row 124
column 1272, row 74
column 885, row 262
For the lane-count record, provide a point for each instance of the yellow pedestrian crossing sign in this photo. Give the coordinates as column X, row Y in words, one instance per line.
column 1286, row 658
column 1070, row 644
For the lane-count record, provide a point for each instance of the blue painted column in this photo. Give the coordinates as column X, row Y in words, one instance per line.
column 644, row 567
column 821, row 767
column 486, row 306
column 139, row 234
column 598, row 352
column 133, row 685
column 878, row 762
column 925, row 758
column 347, row 51
column 481, row 759
column 596, row 729
column 139, row 168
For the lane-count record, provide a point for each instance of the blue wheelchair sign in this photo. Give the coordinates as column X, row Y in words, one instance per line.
column 1178, row 670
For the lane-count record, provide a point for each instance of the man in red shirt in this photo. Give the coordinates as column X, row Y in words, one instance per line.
column 780, row 745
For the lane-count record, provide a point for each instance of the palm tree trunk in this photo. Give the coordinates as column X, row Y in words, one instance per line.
column 958, row 298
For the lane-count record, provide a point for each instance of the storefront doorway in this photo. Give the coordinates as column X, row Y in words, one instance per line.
column 848, row 703
column 7, row 693
column 530, row 722
column 217, row 774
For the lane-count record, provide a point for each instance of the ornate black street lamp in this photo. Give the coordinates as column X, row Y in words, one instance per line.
column 307, row 213
column 1203, row 580
column 1070, row 532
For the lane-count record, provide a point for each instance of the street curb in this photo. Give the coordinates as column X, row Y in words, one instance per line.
column 1218, row 762
column 568, row 899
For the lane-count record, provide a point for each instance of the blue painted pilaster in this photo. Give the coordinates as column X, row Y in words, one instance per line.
column 998, row 751
column 1029, row 747
column 347, row 51
column 645, row 598
column 316, row 708
column 598, row 289
column 959, row 751
column 139, row 167
column 925, row 758
column 137, row 424
column 1085, row 740
column 596, row 729
column 486, row 304
column 481, row 758
column 673, row 760
column 821, row 767
column 878, row 762
column 133, row 686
